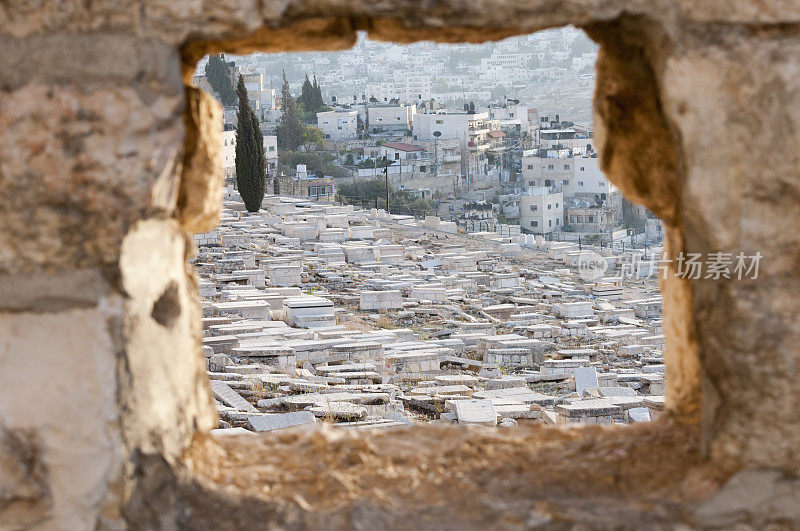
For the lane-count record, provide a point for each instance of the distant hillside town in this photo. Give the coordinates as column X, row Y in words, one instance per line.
column 484, row 135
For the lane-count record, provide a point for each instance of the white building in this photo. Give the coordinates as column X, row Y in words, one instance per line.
column 338, row 124
column 261, row 98
column 390, row 117
column 572, row 175
column 471, row 129
column 577, row 140
column 271, row 152
column 400, row 151
column 541, row 210
column 588, row 179
column 449, row 124
column 229, row 153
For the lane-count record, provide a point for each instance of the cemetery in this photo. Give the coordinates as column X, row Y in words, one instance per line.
column 392, row 324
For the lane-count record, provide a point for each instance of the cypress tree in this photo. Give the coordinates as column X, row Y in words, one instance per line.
column 318, row 103
column 290, row 130
column 250, row 162
column 219, row 79
column 307, row 95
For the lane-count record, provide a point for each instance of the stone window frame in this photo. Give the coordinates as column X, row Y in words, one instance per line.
column 648, row 146
column 624, row 69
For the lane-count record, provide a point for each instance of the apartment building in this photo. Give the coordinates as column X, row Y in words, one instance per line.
column 260, row 97
column 338, row 124
column 390, row 118
column 541, row 210
column 573, row 175
column 576, row 139
column 598, row 216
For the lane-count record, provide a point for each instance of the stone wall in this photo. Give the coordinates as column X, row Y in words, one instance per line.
column 106, row 163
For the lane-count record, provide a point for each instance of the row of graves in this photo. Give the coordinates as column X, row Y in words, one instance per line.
column 324, row 313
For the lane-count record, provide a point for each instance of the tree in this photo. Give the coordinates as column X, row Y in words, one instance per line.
column 220, row 80
column 311, row 96
column 251, row 172
column 312, row 135
column 307, row 95
column 316, row 164
column 365, row 193
column 290, row 130
column 318, row 103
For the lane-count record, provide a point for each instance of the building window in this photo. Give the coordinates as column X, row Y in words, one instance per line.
column 550, row 167
column 556, row 205
column 439, row 121
column 327, row 135
column 565, row 183
column 579, row 219
column 549, row 206
column 589, row 219
column 566, row 166
column 582, row 168
column 530, row 183
column 549, row 222
column 601, row 183
column 558, row 221
column 580, row 183
column 572, row 219
column 534, row 223
column 533, row 208
column 530, row 166
column 397, row 156
column 422, row 169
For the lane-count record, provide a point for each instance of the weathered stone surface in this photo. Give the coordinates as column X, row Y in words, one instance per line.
column 198, row 195
column 405, row 478
column 760, row 498
column 697, row 110
column 24, row 492
column 58, row 384
column 99, row 161
column 743, row 197
column 403, row 21
column 52, row 292
column 163, row 382
column 91, row 60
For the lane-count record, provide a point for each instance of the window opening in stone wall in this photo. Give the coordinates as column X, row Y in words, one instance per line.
column 471, row 299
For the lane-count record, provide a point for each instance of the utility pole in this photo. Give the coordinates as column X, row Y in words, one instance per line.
column 436, row 135
column 386, row 174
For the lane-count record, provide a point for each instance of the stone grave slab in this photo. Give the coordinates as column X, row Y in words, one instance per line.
column 277, row 421
column 479, row 411
column 225, row 394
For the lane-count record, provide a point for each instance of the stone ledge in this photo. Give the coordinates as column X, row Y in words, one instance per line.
column 52, row 292
column 447, row 477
